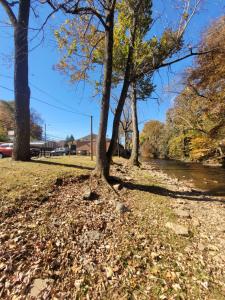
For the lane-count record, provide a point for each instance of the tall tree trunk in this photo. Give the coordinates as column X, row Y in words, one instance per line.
column 135, row 137
column 123, row 95
column 21, row 149
column 102, row 164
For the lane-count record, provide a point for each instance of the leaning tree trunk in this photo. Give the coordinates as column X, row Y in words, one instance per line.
column 120, row 105
column 135, row 137
column 123, row 96
column 116, row 120
column 21, row 149
column 102, row 164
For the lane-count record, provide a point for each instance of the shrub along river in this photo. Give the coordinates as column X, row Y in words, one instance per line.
column 207, row 178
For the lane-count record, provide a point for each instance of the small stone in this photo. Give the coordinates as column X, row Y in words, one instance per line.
column 117, row 187
column 177, row 228
column 87, row 194
column 176, row 287
column 205, row 284
column 90, row 236
column 78, row 283
column 201, row 247
column 121, row 208
column 38, row 286
column 196, row 223
column 109, row 272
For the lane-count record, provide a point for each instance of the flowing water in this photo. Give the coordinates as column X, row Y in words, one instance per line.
column 211, row 179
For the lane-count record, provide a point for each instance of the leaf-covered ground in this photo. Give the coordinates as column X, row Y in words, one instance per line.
column 63, row 247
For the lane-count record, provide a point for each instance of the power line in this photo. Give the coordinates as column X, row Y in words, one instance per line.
column 52, row 105
column 49, row 95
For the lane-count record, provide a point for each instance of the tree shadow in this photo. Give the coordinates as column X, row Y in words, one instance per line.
column 62, row 164
column 192, row 195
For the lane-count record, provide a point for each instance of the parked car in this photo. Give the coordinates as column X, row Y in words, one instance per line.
column 6, row 150
column 34, row 152
column 59, row 151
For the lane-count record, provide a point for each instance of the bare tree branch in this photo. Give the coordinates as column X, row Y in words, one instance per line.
column 75, row 10
column 9, row 12
column 182, row 58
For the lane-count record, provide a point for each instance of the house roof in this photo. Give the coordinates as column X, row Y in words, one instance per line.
column 88, row 138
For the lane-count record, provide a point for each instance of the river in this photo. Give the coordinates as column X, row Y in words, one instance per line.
column 207, row 178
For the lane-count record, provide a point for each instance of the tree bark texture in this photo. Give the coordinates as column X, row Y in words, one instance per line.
column 21, row 149
column 102, row 164
column 135, row 137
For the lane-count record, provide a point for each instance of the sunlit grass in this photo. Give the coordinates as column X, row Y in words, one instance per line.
column 34, row 179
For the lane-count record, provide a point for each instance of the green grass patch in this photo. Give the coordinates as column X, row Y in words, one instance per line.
column 35, row 178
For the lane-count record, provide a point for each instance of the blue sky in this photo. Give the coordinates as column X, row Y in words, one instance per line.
column 79, row 98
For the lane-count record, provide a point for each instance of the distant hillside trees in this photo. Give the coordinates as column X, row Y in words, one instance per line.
column 7, row 109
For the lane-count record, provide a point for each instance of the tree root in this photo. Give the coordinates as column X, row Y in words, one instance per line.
column 104, row 181
column 135, row 163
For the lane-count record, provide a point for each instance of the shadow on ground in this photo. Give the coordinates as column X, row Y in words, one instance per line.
column 192, row 195
column 63, row 165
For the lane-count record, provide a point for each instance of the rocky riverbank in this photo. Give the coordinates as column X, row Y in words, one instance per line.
column 202, row 212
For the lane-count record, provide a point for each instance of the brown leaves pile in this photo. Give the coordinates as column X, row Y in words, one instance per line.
column 65, row 247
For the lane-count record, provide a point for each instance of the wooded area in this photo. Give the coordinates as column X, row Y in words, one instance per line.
column 195, row 125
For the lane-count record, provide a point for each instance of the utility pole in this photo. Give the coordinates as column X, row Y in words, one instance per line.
column 45, row 139
column 91, row 137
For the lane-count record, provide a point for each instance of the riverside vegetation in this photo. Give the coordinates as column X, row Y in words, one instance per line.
column 195, row 125
column 58, row 244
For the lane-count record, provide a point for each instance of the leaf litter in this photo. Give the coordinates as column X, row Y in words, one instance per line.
column 72, row 247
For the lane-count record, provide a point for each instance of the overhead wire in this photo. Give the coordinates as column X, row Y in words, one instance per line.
column 49, row 104
column 49, row 95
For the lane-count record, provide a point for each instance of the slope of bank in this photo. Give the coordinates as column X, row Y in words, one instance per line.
column 66, row 247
